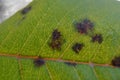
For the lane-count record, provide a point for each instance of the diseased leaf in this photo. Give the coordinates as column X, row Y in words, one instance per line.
column 25, row 37
column 32, row 35
column 24, row 69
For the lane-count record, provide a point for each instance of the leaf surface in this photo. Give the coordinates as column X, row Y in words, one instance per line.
column 31, row 36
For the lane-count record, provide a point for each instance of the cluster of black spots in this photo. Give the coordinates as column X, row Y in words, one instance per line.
column 38, row 62
column 116, row 61
column 77, row 47
column 97, row 38
column 87, row 27
column 56, row 41
column 84, row 26
column 70, row 64
column 26, row 10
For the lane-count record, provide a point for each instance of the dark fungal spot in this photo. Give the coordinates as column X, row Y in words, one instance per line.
column 26, row 10
column 56, row 35
column 97, row 38
column 38, row 62
column 116, row 61
column 84, row 26
column 70, row 64
column 77, row 47
column 56, row 45
column 56, row 41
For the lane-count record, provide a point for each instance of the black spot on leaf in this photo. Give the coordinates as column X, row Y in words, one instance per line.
column 84, row 26
column 116, row 61
column 56, row 45
column 70, row 64
column 56, row 41
column 56, row 35
column 38, row 62
column 26, row 10
column 97, row 38
column 77, row 47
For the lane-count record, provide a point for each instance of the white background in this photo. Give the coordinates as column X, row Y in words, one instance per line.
column 10, row 7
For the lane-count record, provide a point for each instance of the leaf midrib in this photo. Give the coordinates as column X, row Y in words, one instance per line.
column 55, row 59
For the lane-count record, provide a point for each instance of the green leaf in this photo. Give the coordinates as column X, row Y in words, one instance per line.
column 24, row 69
column 22, row 38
